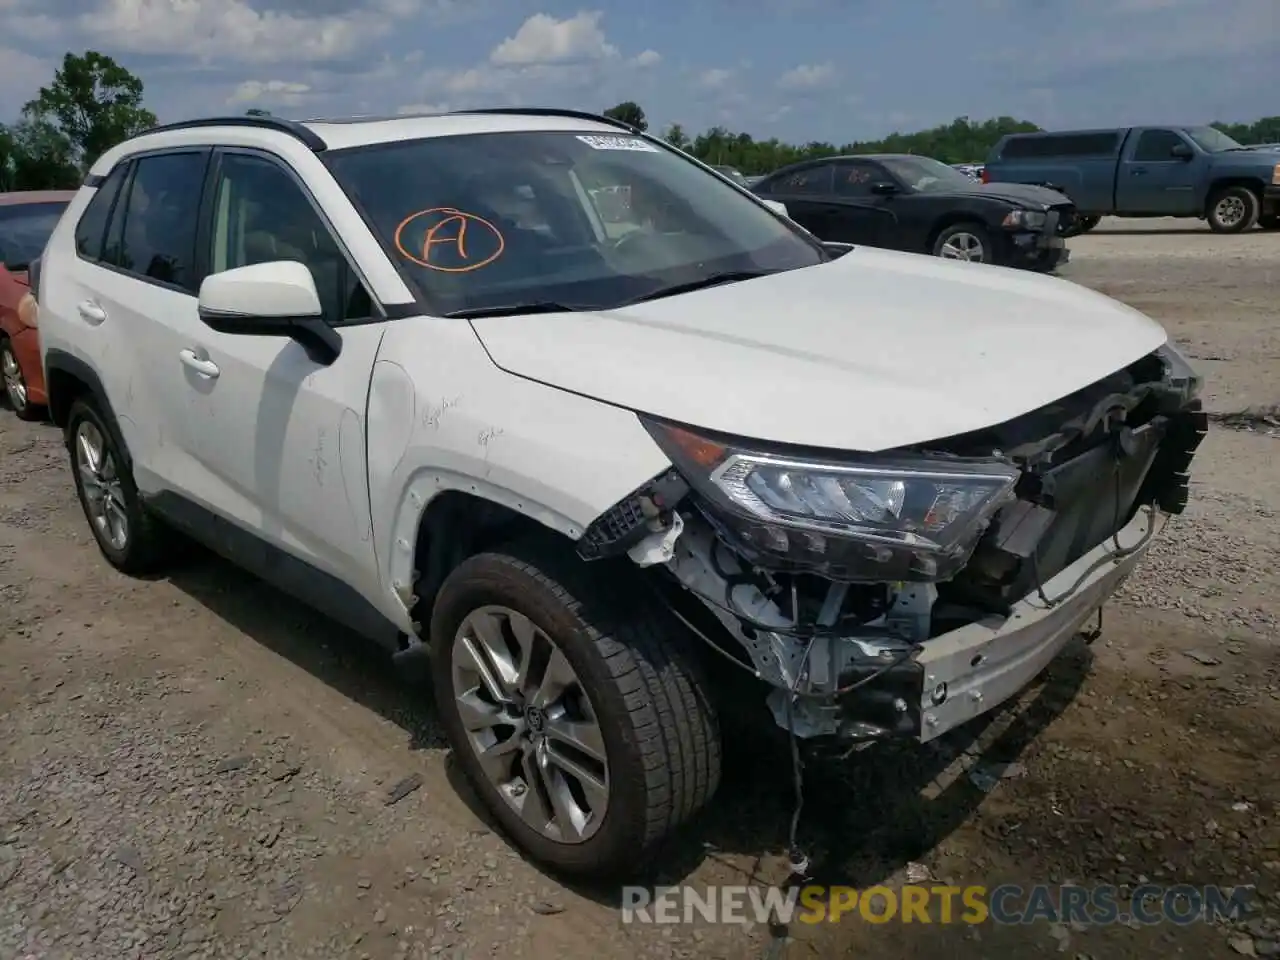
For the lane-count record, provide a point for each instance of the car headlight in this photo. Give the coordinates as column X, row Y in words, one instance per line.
column 1025, row 219
column 1178, row 371
column 901, row 517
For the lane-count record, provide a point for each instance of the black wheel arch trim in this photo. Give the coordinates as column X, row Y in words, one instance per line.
column 60, row 362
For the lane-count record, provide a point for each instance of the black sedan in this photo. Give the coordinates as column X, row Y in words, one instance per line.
column 923, row 206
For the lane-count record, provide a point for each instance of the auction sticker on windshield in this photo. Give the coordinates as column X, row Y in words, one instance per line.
column 617, row 143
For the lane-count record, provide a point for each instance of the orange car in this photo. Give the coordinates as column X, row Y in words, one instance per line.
column 26, row 220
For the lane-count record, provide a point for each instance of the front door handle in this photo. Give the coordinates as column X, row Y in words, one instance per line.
column 1138, row 172
column 202, row 366
column 91, row 312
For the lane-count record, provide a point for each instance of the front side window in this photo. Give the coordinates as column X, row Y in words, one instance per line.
column 589, row 221
column 260, row 214
column 1156, row 146
column 855, row 179
column 161, row 209
column 24, row 231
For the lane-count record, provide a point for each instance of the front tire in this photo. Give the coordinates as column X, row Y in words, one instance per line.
column 133, row 540
column 584, row 729
column 1233, row 210
column 1271, row 222
column 965, row 241
column 15, row 383
column 1085, row 224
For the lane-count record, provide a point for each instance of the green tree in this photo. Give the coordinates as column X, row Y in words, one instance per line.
column 1265, row 130
column 94, row 103
column 676, row 136
column 960, row 141
column 629, row 112
column 34, row 155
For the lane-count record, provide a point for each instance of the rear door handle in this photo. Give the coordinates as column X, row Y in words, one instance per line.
column 202, row 366
column 1138, row 172
column 91, row 312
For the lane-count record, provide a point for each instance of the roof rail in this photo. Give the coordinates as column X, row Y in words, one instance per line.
column 309, row 137
column 553, row 112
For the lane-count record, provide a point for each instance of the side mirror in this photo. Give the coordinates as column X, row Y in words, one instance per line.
column 777, row 206
column 1182, row 152
column 275, row 299
column 884, row 188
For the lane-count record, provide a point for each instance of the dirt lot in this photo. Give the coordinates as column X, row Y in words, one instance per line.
column 199, row 767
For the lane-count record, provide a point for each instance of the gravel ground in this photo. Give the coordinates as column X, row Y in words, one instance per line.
column 198, row 767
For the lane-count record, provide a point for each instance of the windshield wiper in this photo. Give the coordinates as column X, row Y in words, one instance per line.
column 711, row 280
column 516, row 309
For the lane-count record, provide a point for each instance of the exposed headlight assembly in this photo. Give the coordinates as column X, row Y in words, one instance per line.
column 872, row 518
column 1025, row 219
column 1178, row 371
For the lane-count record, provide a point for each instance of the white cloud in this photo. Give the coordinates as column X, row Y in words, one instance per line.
column 647, row 58
column 236, row 30
column 283, row 92
column 544, row 39
column 410, row 109
column 715, row 78
column 808, row 77
column 24, row 75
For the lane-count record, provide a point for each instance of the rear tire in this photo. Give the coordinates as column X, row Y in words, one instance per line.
column 654, row 735
column 15, row 383
column 140, row 544
column 1233, row 210
column 969, row 241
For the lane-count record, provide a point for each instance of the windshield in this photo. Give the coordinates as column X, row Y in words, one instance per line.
column 1211, row 139
column 925, row 174
column 25, row 229
column 587, row 220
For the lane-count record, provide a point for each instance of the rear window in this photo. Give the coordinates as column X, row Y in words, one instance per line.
column 1100, row 144
column 25, row 229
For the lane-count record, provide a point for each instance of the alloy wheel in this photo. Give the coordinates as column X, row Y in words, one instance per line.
column 962, row 246
column 530, row 723
column 100, row 481
column 15, row 384
column 1230, row 211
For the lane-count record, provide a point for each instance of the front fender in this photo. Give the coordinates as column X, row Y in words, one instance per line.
column 443, row 417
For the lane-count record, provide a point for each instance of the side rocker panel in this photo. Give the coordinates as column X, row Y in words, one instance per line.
column 443, row 417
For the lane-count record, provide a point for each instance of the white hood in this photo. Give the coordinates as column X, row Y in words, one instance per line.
column 872, row 351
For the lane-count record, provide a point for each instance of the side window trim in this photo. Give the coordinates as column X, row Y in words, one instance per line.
column 118, row 213
column 204, row 232
column 124, row 167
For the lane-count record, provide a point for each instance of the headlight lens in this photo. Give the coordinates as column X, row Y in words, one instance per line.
column 1178, row 369
column 1025, row 219
column 910, row 517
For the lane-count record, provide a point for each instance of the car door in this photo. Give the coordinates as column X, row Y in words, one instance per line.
column 859, row 215
column 135, row 294
column 277, row 436
column 1152, row 180
column 807, row 194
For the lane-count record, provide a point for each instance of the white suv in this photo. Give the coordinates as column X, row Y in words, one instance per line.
column 589, row 466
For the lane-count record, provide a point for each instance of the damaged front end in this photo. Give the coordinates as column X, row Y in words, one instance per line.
column 903, row 594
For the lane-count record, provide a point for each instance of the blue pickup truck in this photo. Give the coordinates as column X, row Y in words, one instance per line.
column 1148, row 172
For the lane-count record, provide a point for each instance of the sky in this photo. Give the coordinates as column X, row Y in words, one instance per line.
column 800, row 70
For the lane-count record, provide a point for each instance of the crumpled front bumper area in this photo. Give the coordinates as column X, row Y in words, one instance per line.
column 975, row 668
